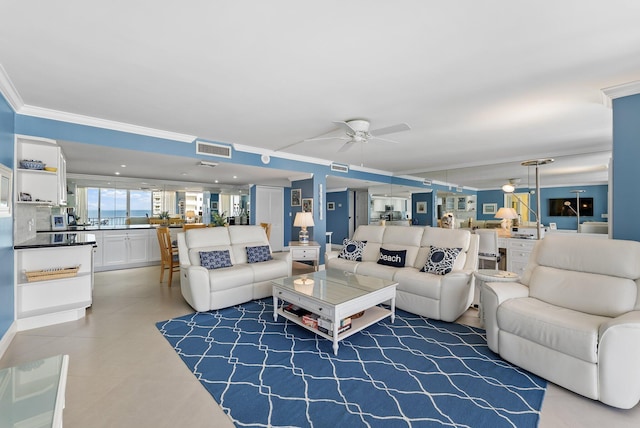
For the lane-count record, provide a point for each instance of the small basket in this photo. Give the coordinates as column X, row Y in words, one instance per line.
column 31, row 164
column 54, row 273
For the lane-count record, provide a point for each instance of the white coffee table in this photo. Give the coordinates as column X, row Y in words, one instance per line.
column 335, row 295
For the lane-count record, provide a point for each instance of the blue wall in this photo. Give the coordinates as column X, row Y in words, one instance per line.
column 598, row 193
column 7, row 298
column 626, row 153
column 422, row 219
column 338, row 219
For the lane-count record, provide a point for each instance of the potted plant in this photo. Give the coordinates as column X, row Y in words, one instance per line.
column 219, row 219
column 164, row 216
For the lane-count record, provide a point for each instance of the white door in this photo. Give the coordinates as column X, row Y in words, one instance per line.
column 351, row 208
column 270, row 209
column 362, row 208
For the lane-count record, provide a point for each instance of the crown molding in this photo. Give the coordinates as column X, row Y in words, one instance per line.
column 611, row 93
column 45, row 113
column 300, row 177
column 280, row 155
column 9, row 91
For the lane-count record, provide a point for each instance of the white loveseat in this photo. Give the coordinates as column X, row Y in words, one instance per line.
column 443, row 297
column 206, row 289
column 574, row 317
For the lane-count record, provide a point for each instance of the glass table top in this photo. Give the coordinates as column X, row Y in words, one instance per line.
column 28, row 392
column 333, row 286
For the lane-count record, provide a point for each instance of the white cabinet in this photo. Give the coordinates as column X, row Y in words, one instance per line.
column 125, row 247
column 154, row 245
column 50, row 301
column 33, row 186
column 518, row 252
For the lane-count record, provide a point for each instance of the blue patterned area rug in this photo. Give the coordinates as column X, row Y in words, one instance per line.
column 414, row 372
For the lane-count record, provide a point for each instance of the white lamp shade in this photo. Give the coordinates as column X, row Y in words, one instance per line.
column 508, row 213
column 303, row 219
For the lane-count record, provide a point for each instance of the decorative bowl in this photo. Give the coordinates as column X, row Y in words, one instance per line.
column 31, row 164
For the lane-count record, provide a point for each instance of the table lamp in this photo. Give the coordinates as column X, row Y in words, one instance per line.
column 303, row 220
column 506, row 214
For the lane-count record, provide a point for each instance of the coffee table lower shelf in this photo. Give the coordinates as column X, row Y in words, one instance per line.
column 370, row 316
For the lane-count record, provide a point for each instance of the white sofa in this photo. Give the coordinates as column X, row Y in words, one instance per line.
column 574, row 317
column 443, row 297
column 219, row 288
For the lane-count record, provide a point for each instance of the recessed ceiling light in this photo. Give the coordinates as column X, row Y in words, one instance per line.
column 123, row 166
column 117, row 173
column 235, row 176
column 183, row 173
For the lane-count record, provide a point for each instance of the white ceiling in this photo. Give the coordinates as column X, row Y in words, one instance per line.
column 483, row 85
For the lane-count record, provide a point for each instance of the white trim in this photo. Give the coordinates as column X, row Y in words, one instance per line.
column 302, row 176
column 370, row 170
column 45, row 113
column 280, row 155
column 611, row 93
column 7, row 338
column 9, row 91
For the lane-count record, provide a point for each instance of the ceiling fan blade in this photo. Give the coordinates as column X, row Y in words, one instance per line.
column 346, row 146
column 390, row 129
column 326, row 138
column 345, row 126
column 384, row 139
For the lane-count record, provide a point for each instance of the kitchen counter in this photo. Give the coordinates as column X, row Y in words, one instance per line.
column 106, row 227
column 57, row 239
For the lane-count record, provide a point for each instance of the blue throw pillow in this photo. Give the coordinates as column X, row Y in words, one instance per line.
column 441, row 260
column 257, row 254
column 392, row 258
column 352, row 250
column 215, row 259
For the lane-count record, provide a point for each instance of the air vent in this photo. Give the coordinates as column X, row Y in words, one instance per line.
column 426, row 182
column 459, row 189
column 212, row 149
column 339, row 168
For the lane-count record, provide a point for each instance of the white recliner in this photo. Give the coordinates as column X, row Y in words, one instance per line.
column 574, row 317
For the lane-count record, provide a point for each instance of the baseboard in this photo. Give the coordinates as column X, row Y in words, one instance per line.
column 7, row 338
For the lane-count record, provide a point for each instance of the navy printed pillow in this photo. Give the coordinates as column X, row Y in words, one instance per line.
column 258, row 254
column 441, row 260
column 352, row 250
column 215, row 259
column 392, row 258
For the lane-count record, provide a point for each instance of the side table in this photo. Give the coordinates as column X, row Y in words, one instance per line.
column 305, row 252
column 492, row 275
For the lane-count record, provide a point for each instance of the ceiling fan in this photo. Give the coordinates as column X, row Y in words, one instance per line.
column 357, row 131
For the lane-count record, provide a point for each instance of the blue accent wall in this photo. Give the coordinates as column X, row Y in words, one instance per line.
column 7, row 297
column 422, row 219
column 626, row 152
column 288, row 216
column 338, row 219
column 599, row 194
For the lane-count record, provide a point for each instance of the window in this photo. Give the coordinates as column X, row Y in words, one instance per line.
column 109, row 206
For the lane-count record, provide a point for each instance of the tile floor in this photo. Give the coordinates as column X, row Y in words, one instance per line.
column 123, row 373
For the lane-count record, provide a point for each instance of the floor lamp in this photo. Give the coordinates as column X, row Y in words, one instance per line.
column 510, row 188
column 537, row 163
column 577, row 192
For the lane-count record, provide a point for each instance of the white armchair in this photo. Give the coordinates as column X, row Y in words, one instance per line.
column 574, row 318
